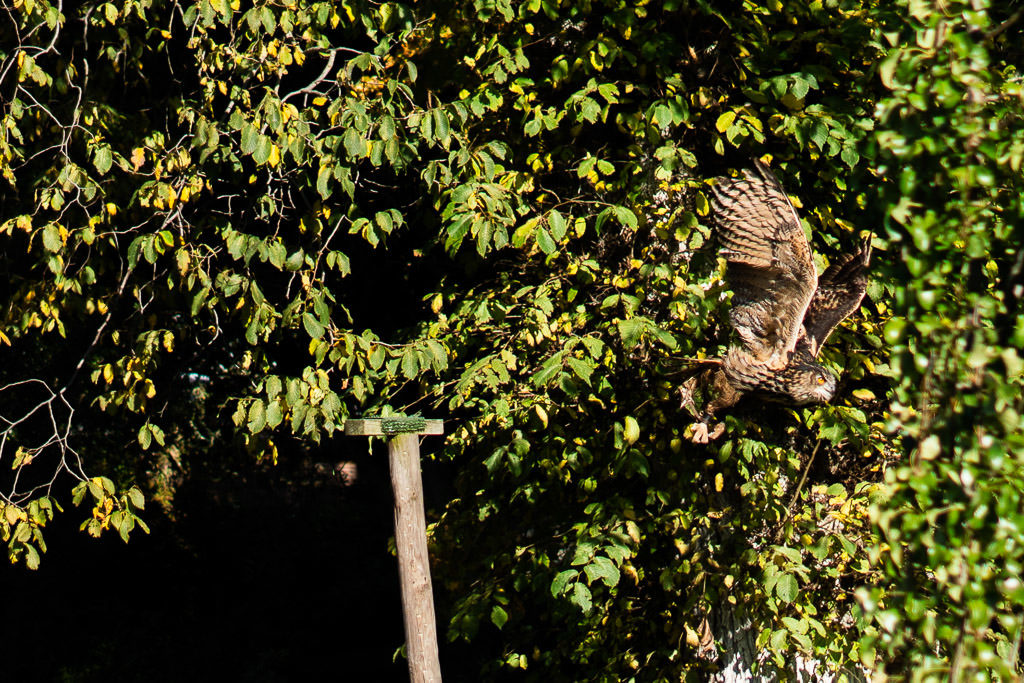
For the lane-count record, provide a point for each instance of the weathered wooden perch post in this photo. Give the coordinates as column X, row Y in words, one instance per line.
column 403, row 435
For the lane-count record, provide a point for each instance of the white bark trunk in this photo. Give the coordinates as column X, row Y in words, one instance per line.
column 739, row 657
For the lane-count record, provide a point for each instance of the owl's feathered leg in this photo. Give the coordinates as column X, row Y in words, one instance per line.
column 724, row 395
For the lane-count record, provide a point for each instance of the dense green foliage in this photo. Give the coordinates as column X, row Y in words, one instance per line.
column 951, row 139
column 229, row 226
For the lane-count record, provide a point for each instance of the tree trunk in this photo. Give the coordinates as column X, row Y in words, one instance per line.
column 739, row 657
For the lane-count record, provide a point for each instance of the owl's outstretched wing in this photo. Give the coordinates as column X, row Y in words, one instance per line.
column 840, row 290
column 770, row 268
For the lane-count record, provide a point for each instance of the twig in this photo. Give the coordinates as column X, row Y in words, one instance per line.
column 323, row 74
column 799, row 487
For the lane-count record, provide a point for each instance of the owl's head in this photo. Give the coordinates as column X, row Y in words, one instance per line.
column 810, row 383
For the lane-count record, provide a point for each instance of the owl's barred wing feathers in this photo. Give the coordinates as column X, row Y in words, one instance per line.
column 840, row 290
column 770, row 268
column 781, row 310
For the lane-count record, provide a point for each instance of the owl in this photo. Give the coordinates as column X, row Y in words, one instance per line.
column 782, row 310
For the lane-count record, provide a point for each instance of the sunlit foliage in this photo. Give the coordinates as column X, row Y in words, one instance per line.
column 228, row 226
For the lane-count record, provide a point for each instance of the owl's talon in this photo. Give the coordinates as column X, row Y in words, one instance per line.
column 701, row 435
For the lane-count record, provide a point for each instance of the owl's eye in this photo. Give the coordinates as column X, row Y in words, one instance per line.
column 821, row 380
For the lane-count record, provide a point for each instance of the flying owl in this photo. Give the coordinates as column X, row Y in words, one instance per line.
column 782, row 310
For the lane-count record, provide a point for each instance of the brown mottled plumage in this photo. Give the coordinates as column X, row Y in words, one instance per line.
column 781, row 310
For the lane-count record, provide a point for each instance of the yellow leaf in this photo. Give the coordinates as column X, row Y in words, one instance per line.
column 138, row 158
column 630, row 430
column 542, row 414
column 692, row 639
column 725, row 121
column 275, row 156
column 718, row 482
column 702, row 204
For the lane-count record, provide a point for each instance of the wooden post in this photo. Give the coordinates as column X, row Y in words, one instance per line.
column 410, row 537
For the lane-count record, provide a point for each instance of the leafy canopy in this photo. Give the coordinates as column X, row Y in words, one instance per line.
column 228, row 227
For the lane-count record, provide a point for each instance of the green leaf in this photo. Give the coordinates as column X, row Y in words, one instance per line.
column 274, row 414
column 136, row 497
column 786, row 588
column 557, row 224
column 250, row 138
column 354, row 143
column 295, row 260
column 561, row 581
column 312, row 326
column 31, row 557
column 257, row 416
column 544, row 241
column 581, row 597
column 377, row 356
column 102, row 159
column 630, row 331
column 819, row 134
column 580, row 368
column 604, row 569
column 262, row 150
column 410, row 364
column 273, row 386
column 145, row 436
column 51, row 238
column 626, row 217
column 442, row 128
